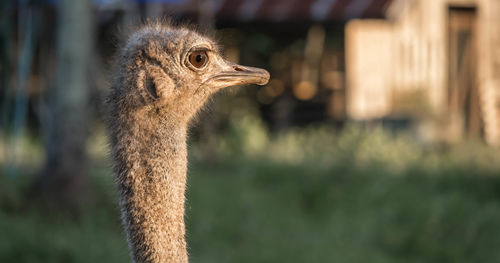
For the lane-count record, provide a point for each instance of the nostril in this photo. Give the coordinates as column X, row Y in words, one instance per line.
column 237, row 68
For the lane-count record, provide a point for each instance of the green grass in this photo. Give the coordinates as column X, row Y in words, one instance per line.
column 263, row 212
column 304, row 196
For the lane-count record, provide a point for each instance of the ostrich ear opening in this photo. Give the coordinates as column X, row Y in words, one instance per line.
column 151, row 88
column 157, row 83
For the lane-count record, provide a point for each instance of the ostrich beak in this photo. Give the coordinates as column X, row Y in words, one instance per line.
column 234, row 74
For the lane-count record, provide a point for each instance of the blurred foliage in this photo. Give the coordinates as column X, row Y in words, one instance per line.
column 304, row 195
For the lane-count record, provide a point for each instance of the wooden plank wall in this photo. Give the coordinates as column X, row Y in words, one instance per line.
column 408, row 54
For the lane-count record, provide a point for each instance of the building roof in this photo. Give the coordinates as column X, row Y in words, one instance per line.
column 286, row 10
column 265, row 10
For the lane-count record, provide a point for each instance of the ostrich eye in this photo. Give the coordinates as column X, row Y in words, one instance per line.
column 198, row 58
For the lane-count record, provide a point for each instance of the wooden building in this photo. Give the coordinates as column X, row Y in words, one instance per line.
column 434, row 60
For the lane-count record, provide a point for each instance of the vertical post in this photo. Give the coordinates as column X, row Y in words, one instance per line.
column 64, row 178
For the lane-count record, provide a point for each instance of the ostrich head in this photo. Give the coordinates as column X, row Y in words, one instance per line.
column 165, row 74
column 175, row 70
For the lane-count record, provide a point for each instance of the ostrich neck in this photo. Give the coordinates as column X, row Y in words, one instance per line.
column 151, row 179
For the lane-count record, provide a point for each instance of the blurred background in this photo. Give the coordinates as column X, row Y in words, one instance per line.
column 376, row 139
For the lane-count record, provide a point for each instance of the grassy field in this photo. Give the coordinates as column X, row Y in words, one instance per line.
column 303, row 196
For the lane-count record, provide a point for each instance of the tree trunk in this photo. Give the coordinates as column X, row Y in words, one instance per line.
column 64, row 179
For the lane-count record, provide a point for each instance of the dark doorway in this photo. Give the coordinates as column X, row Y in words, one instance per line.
column 463, row 93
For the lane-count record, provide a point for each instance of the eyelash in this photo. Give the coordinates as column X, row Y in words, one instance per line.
column 201, row 49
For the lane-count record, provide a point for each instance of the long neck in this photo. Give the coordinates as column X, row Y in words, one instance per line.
column 151, row 160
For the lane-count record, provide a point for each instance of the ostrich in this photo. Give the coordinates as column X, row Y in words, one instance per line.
column 165, row 74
